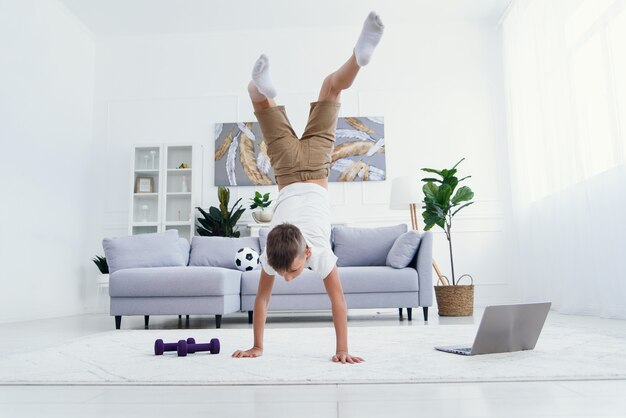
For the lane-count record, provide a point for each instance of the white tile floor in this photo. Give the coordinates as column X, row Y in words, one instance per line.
column 515, row 399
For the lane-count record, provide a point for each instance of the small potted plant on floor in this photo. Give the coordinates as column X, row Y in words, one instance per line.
column 441, row 203
column 101, row 263
column 261, row 201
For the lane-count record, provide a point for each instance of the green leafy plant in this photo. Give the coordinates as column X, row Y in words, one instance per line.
column 441, row 203
column 260, row 200
column 101, row 262
column 220, row 221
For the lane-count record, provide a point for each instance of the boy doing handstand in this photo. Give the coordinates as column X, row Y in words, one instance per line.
column 299, row 234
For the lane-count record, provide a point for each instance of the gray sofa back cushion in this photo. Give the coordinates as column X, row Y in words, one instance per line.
column 403, row 249
column 163, row 249
column 263, row 237
column 219, row 251
column 364, row 246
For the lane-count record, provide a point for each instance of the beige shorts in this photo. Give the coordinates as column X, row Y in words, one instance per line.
column 294, row 159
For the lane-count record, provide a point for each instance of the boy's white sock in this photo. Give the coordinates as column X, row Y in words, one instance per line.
column 261, row 86
column 370, row 36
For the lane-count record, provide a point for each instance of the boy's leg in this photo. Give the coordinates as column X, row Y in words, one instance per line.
column 278, row 134
column 261, row 89
column 319, row 134
column 344, row 77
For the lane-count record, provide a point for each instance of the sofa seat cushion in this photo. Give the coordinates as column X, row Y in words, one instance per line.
column 174, row 281
column 367, row 279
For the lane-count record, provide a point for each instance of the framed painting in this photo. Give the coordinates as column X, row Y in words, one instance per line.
column 241, row 157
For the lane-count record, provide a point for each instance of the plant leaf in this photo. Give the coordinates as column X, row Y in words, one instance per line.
column 451, row 181
column 443, row 195
column 430, row 191
column 458, row 163
column 463, row 194
column 461, row 207
column 206, row 215
column 432, row 170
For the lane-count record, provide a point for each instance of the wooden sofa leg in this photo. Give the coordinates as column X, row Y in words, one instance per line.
column 409, row 313
column 425, row 308
column 146, row 320
column 218, row 321
column 250, row 316
column 118, row 321
column 400, row 312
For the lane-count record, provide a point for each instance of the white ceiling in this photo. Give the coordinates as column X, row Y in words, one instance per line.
column 107, row 18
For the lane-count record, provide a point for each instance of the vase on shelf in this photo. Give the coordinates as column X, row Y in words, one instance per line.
column 263, row 216
column 146, row 159
column 153, row 154
column 145, row 210
column 183, row 186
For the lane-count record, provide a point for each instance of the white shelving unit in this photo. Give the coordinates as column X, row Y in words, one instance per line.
column 164, row 196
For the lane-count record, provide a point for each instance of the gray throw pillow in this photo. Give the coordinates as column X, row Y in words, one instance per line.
column 219, row 251
column 403, row 249
column 364, row 246
column 163, row 249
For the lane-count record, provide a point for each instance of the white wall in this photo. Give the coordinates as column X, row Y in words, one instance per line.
column 438, row 85
column 46, row 113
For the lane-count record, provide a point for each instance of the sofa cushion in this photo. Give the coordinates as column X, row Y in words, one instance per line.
column 174, row 281
column 373, row 279
column 219, row 251
column 163, row 249
column 263, row 238
column 403, row 249
column 364, row 246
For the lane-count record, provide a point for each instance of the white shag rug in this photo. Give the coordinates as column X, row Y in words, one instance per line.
column 402, row 354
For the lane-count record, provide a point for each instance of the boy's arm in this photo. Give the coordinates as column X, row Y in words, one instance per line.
column 263, row 294
column 340, row 317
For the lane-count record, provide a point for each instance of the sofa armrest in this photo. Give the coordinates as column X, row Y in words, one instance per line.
column 423, row 262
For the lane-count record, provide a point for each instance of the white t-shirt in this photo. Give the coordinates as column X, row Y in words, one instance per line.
column 307, row 206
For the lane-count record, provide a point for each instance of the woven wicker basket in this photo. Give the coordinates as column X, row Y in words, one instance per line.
column 455, row 300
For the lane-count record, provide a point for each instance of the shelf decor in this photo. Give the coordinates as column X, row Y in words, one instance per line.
column 164, row 191
column 144, row 185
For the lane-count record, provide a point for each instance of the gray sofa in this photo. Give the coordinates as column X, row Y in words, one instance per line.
column 162, row 274
column 366, row 279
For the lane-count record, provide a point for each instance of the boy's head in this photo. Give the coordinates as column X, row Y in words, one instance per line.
column 287, row 251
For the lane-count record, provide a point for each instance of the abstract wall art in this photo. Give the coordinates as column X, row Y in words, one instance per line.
column 241, row 154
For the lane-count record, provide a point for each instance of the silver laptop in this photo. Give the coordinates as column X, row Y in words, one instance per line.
column 505, row 328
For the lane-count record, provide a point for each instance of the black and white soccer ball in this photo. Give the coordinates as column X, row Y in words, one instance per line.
column 246, row 259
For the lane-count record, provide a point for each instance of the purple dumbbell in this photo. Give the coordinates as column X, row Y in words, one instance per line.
column 185, row 347
column 160, row 347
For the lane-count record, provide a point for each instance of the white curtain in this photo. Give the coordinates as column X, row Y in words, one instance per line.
column 565, row 77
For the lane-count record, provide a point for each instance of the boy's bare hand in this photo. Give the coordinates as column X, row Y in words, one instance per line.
column 253, row 352
column 343, row 357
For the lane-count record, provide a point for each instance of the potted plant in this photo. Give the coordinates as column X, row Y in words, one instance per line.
column 101, row 262
column 441, row 204
column 220, row 221
column 261, row 201
column 103, row 279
